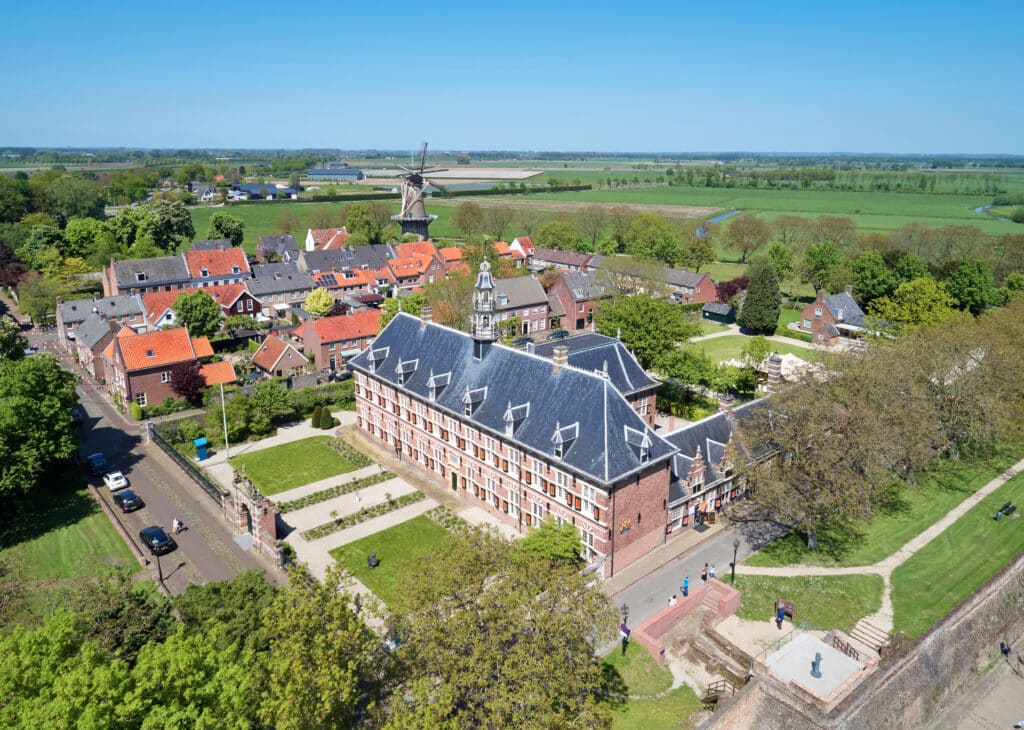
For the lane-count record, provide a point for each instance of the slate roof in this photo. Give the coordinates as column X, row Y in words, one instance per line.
column 160, row 270
column 269, row 188
column 570, row 401
column 599, row 353
column 214, row 244
column 121, row 305
column 584, row 286
column 92, row 331
column 522, row 291
column 280, row 267
column 277, row 283
column 845, row 309
column 682, row 277
column 278, row 244
column 716, row 308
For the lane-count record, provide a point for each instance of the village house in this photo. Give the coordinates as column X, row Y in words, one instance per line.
column 278, row 287
column 92, row 336
column 452, row 256
column 579, row 294
column 567, row 260
column 234, row 299
column 828, row 318
column 217, row 266
column 522, row 297
column 138, row 366
column 208, row 266
column 261, row 191
column 122, row 309
column 280, row 248
column 524, row 245
column 204, row 193
column 326, row 239
column 687, row 287
column 212, row 244
column 278, row 358
column 334, row 340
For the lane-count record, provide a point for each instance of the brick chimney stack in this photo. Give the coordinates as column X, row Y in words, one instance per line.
column 725, row 402
column 559, row 358
column 848, row 289
column 426, row 315
column 774, row 374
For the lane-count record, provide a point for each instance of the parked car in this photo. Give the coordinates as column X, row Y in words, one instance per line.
column 558, row 335
column 76, row 416
column 115, row 480
column 97, row 463
column 522, row 342
column 158, row 541
column 128, row 501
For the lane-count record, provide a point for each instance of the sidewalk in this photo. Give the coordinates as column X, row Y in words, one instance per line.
column 659, row 557
column 314, row 487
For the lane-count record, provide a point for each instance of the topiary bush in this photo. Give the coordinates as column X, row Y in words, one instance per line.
column 315, row 420
column 135, row 410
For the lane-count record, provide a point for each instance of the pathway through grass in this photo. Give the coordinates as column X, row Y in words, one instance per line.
column 652, row 703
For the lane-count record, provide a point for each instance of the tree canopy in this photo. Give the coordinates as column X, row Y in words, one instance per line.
column 198, row 312
column 319, row 302
column 227, row 226
column 760, row 311
column 649, row 326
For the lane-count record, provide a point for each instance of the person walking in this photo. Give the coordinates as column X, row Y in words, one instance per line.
column 711, row 572
column 704, row 573
column 176, row 526
column 686, row 586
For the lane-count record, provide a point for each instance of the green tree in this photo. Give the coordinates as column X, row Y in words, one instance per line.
column 558, row 234
column 918, row 303
column 554, row 543
column 227, row 226
column 319, row 302
column 327, row 664
column 12, row 344
column 37, row 297
column 820, row 263
column 483, row 642
column 368, row 223
column 760, row 311
column 187, row 382
column 167, row 223
column 755, row 350
column 970, row 286
column 688, row 365
column 650, row 327
column 36, row 398
column 871, row 277
column 746, row 234
column 696, row 252
column 83, row 236
column 68, row 197
column 782, row 259
column 411, row 304
column 268, row 404
column 198, row 312
column 909, row 267
column 650, row 234
column 15, row 199
column 468, row 217
column 41, row 239
column 236, row 410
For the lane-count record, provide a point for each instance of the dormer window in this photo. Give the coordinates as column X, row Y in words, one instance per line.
column 377, row 357
column 817, row 311
column 204, row 272
column 140, row 276
column 150, row 353
column 405, row 370
column 472, row 399
column 235, row 269
column 514, row 416
column 437, row 383
column 640, row 441
column 563, row 438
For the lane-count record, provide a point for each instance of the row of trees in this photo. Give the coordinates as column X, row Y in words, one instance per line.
column 843, row 434
column 479, row 647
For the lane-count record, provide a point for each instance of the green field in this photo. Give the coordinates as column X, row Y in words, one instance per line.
column 291, row 465
column 61, row 533
column 401, row 549
column 636, row 675
column 910, row 511
column 730, row 347
column 824, row 601
column 957, row 562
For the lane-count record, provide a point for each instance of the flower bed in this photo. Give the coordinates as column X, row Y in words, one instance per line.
column 447, row 519
column 332, row 492
column 350, row 453
column 363, row 515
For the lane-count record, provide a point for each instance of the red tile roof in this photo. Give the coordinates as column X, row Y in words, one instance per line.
column 502, row 248
column 416, row 248
column 451, row 253
column 326, row 239
column 202, row 347
column 155, row 349
column 527, row 243
column 348, row 327
column 156, row 303
column 270, row 352
column 216, row 262
column 218, row 372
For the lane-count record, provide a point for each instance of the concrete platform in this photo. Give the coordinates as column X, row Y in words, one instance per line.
column 793, row 663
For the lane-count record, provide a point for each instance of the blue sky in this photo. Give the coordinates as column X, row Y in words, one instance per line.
column 644, row 76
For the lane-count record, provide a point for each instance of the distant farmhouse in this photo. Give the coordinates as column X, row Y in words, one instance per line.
column 335, row 171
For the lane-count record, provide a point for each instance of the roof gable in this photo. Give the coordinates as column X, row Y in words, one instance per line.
column 155, row 349
column 216, row 262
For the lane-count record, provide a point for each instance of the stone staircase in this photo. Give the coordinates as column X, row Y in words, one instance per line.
column 870, row 636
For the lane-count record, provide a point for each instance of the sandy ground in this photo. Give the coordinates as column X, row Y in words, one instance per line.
column 573, row 206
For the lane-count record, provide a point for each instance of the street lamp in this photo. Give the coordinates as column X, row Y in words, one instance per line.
column 735, row 549
column 625, row 613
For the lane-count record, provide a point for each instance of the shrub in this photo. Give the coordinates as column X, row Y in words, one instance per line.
column 135, row 410
column 336, row 491
column 189, row 430
column 350, row 453
column 315, row 421
column 362, row 516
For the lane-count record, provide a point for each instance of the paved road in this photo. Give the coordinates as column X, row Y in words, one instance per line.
column 206, row 550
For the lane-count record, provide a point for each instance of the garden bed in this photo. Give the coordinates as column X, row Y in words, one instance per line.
column 363, row 515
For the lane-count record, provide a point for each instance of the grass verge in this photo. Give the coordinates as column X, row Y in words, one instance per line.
column 401, row 550
column 637, row 675
column 957, row 562
column 291, row 465
column 730, row 347
column 827, row 601
column 909, row 512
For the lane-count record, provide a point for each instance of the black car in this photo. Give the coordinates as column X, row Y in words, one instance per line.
column 128, row 500
column 522, row 342
column 558, row 335
column 97, row 463
column 158, row 541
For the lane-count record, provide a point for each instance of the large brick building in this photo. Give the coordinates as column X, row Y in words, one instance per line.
column 526, row 437
column 138, row 366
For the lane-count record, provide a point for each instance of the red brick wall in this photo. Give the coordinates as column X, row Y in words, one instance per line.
column 705, row 291
column 637, row 399
column 646, row 498
column 818, row 323
column 148, row 382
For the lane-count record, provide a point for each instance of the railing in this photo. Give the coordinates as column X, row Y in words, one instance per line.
column 773, row 646
column 846, row 648
column 200, row 478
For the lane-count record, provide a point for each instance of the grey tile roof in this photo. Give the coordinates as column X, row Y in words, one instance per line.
column 716, row 308
column 276, row 283
column 93, row 329
column 278, row 244
column 161, row 270
column 121, row 305
column 214, row 244
column 555, row 306
column 604, row 422
column 281, row 267
column 845, row 309
column 584, row 287
column 599, row 353
column 520, row 291
column 682, row 277
column 565, row 258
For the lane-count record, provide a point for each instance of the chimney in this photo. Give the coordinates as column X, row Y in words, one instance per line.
column 821, row 295
column 848, row 289
column 559, row 358
column 97, row 296
column 426, row 315
column 774, row 374
column 725, row 402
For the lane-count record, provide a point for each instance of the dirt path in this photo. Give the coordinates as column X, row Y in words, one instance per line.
column 574, row 206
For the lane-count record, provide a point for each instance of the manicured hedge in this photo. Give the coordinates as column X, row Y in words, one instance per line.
column 363, row 515
column 336, row 491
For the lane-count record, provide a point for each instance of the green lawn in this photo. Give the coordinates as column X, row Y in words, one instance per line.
column 826, row 601
column 61, row 533
column 710, row 328
column 401, row 550
column 957, row 562
column 293, row 464
column 909, row 512
column 730, row 347
column 636, row 674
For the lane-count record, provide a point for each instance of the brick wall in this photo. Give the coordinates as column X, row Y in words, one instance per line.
column 149, row 382
column 644, row 498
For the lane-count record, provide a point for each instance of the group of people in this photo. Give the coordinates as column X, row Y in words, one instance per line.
column 706, row 573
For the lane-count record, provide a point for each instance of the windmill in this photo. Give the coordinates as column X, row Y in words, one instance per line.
column 414, row 218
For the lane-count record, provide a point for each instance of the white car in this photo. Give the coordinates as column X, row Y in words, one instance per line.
column 115, row 480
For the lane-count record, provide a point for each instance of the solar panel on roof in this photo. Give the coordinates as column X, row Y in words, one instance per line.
column 329, row 280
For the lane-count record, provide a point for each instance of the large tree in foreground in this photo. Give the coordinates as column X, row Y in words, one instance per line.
column 505, row 640
column 759, row 314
